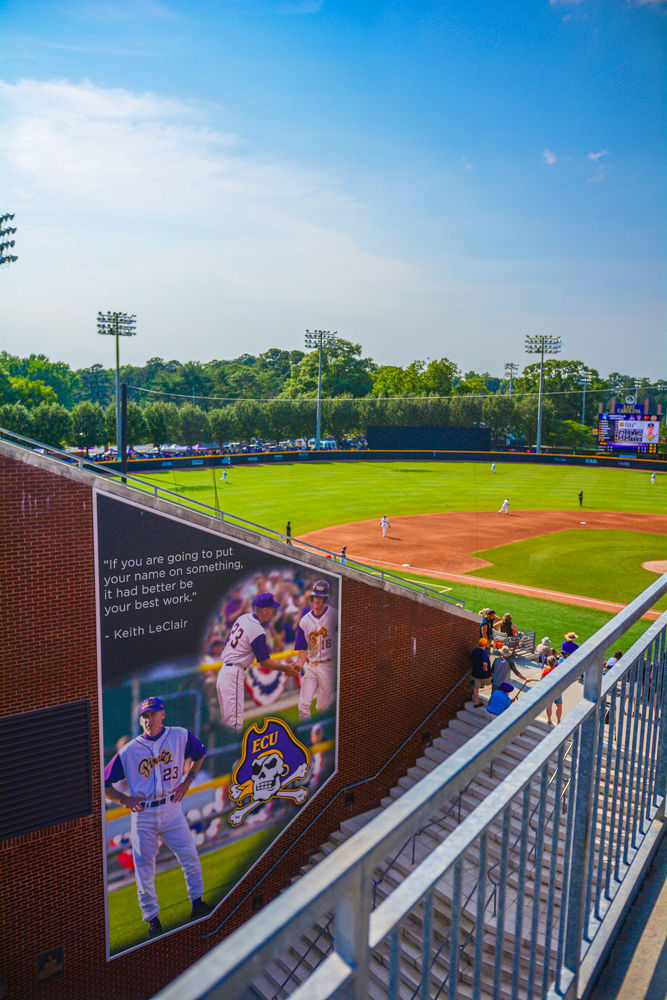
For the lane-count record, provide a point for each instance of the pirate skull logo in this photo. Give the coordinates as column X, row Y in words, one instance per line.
column 272, row 758
column 266, row 774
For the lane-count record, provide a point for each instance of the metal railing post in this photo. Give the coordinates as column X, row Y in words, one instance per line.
column 582, row 833
column 353, row 910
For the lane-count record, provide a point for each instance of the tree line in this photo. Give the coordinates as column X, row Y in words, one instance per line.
column 273, row 396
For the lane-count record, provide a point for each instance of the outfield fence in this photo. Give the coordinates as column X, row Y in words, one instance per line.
column 536, row 878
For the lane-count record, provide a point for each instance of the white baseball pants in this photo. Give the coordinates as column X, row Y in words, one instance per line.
column 169, row 822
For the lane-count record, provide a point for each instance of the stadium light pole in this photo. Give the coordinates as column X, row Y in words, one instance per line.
column 542, row 344
column 5, row 244
column 319, row 339
column 511, row 371
column 117, row 325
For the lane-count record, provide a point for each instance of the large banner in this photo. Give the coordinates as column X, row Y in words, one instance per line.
column 218, row 667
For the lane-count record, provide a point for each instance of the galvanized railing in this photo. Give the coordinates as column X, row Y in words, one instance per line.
column 554, row 923
column 145, row 486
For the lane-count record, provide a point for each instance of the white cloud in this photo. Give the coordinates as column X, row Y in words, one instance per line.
column 597, row 156
column 549, row 157
column 134, row 199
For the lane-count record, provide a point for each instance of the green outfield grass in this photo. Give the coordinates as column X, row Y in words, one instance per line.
column 221, row 870
column 533, row 613
column 599, row 563
column 315, row 496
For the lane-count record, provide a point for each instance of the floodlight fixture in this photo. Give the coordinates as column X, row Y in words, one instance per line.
column 117, row 325
column 541, row 344
column 6, row 257
column 319, row 339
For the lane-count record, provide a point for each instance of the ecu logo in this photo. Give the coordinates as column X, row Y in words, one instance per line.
column 271, row 759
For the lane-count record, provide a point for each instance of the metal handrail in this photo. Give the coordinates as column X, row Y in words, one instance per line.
column 160, row 492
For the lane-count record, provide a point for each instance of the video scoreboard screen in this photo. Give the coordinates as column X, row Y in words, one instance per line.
column 618, row 431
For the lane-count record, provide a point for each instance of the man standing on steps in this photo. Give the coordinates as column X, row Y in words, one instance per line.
column 288, row 533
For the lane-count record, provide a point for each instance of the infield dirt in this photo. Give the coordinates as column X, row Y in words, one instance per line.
column 442, row 544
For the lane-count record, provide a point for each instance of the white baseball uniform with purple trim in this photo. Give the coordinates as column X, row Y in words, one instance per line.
column 152, row 770
column 246, row 642
column 318, row 634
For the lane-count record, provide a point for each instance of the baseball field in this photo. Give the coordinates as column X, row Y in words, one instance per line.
column 445, row 528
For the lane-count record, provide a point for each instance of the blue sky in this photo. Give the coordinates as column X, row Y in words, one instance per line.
column 427, row 179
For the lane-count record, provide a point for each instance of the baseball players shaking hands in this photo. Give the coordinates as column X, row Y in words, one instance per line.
column 317, row 644
column 246, row 642
column 158, row 767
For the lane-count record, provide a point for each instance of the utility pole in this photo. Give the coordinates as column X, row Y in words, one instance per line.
column 117, row 325
column 511, row 371
column 541, row 344
column 319, row 339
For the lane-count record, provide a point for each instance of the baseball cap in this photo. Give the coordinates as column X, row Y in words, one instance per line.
column 506, row 688
column 546, row 641
column 266, row 600
column 151, row 705
column 320, row 589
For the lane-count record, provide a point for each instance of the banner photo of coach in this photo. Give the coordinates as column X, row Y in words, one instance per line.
column 219, row 673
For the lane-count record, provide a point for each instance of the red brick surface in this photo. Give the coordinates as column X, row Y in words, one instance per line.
column 398, row 658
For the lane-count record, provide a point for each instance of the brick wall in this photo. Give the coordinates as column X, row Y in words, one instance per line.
column 399, row 657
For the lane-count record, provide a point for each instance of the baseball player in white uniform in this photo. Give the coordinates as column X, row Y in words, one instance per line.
column 505, row 508
column 384, row 524
column 154, row 766
column 246, row 643
column 316, row 640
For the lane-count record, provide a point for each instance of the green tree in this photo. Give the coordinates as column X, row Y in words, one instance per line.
column 88, row 427
column 438, row 378
column 498, row 415
column 161, row 420
column 525, row 418
column 471, row 384
column 7, row 391
column 344, row 372
column 32, row 392
column 193, row 425
column 340, row 417
column 249, row 418
column 221, row 422
column 38, row 368
column 51, row 424
column 16, row 417
column 95, row 384
column 466, row 411
column 137, row 428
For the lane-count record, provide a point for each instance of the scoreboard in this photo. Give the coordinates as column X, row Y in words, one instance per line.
column 618, row 431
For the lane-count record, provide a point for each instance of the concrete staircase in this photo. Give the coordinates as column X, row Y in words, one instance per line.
column 287, row 971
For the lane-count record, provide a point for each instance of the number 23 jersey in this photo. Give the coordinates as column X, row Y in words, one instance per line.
column 154, row 768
